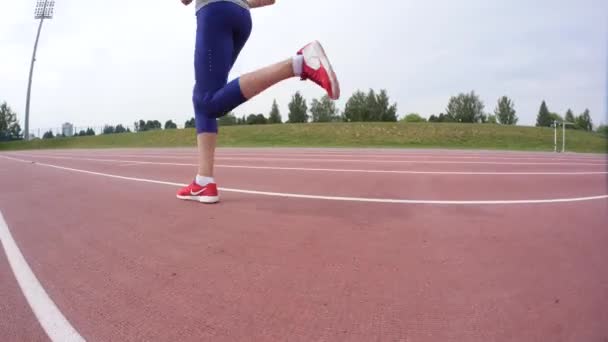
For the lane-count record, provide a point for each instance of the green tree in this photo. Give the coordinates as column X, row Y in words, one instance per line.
column 324, row 110
column 555, row 117
column 82, row 133
column 570, row 118
column 9, row 126
column 466, row 108
column 492, row 119
column 141, row 126
column 227, row 120
column 262, row 120
column 440, row 118
column 602, row 129
column 414, row 117
column 256, row 119
column 188, row 124
column 584, row 121
column 153, row 125
column 170, row 125
column 384, row 110
column 544, row 118
column 356, row 107
column 372, row 107
column 445, row 118
column 298, row 110
column 275, row 114
column 505, row 111
column 107, row 129
column 48, row 135
column 120, row 129
column 14, row 132
column 90, row 131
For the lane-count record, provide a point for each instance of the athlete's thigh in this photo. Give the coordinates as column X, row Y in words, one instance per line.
column 241, row 32
column 214, row 50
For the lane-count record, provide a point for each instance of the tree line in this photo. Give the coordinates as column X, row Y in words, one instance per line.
column 370, row 106
column 361, row 106
column 469, row 108
column 376, row 107
column 583, row 121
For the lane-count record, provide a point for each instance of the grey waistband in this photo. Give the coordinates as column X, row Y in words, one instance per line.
column 202, row 3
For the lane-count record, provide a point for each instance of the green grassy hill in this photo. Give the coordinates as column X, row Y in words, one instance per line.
column 415, row 135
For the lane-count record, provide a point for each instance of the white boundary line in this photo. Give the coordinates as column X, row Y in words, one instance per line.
column 323, row 160
column 372, row 157
column 358, row 152
column 329, row 198
column 387, row 161
column 124, row 162
column 573, row 160
column 51, row 319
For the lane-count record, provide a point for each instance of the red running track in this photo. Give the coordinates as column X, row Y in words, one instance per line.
column 125, row 261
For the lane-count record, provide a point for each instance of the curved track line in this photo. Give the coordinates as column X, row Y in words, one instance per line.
column 330, row 198
column 124, row 162
column 51, row 319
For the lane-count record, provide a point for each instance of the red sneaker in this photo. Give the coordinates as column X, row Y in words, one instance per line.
column 203, row 194
column 316, row 67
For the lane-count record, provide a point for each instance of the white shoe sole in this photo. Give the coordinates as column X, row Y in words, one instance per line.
column 201, row 199
column 335, row 85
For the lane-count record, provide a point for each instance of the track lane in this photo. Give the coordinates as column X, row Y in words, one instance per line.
column 269, row 268
column 386, row 186
column 18, row 322
column 359, row 153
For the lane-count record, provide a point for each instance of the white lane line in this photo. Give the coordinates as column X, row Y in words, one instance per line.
column 318, row 160
column 405, row 172
column 372, row 157
column 405, row 161
column 51, row 319
column 377, row 156
column 129, row 163
column 359, row 152
column 330, row 198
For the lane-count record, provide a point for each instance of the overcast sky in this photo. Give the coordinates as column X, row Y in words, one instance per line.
column 116, row 61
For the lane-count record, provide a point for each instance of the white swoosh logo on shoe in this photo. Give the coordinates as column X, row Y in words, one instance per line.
column 311, row 56
column 315, row 58
column 192, row 193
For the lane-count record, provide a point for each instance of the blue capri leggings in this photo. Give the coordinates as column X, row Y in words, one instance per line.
column 222, row 31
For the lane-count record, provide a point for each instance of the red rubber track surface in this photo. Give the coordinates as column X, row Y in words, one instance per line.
column 126, row 261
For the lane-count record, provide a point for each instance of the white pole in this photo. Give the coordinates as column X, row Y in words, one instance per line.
column 554, row 136
column 564, row 138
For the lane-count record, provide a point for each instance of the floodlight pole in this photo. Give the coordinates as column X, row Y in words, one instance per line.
column 29, row 85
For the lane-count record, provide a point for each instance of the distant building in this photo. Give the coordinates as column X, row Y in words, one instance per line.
column 67, row 129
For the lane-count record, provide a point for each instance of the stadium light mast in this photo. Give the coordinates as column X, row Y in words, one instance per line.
column 44, row 10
